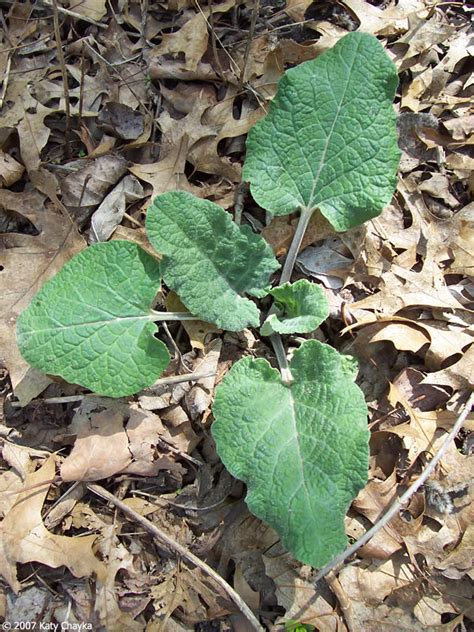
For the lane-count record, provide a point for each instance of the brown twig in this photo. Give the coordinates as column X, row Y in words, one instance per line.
column 344, row 601
column 182, row 551
column 164, row 381
column 253, row 22
column 62, row 64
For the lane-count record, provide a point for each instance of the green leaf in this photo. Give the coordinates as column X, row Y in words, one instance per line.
column 209, row 261
column 301, row 308
column 92, row 323
column 329, row 140
column 302, row 449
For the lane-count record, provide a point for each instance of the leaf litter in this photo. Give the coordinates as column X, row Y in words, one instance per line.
column 167, row 96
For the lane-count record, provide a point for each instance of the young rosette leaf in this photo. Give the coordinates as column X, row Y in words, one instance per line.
column 208, row 260
column 92, row 323
column 329, row 140
column 302, row 449
column 300, row 308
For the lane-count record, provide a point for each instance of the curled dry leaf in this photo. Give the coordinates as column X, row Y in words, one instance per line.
column 112, row 209
column 83, row 190
column 114, row 437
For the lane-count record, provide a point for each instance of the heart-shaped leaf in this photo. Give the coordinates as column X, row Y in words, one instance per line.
column 92, row 323
column 329, row 140
column 208, row 260
column 302, row 449
column 300, row 308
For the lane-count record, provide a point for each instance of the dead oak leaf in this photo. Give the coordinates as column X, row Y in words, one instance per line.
column 25, row 538
column 28, row 261
column 406, row 288
column 191, row 39
column 115, row 437
column 294, row 589
column 101, row 447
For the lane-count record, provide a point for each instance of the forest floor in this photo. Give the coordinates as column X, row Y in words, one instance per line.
column 112, row 103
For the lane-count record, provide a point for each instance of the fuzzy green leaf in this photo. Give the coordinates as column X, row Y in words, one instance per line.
column 92, row 323
column 302, row 449
column 208, row 260
column 329, row 140
column 301, row 308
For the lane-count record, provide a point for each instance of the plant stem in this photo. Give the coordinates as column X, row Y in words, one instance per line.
column 290, row 260
column 276, row 340
column 173, row 316
column 280, row 354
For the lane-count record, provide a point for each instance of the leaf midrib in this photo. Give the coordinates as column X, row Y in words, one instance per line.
column 310, row 205
column 111, row 321
column 205, row 255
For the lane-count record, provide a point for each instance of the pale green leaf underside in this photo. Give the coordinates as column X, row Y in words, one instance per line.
column 301, row 307
column 208, row 260
column 301, row 450
column 92, row 323
column 329, row 140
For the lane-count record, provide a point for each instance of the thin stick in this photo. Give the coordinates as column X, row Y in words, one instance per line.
column 164, row 381
column 394, row 509
column 213, row 39
column 180, row 550
column 253, row 22
column 6, row 78
column 62, row 64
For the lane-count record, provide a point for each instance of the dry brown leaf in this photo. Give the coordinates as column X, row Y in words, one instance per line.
column 369, row 612
column 33, row 134
column 166, row 174
column 444, row 339
column 460, row 127
column 405, row 288
column 280, row 231
column 198, row 398
column 121, row 121
column 83, row 190
column 26, row 539
column 438, row 186
column 28, row 261
column 389, row 21
column 189, row 592
column 294, row 589
column 198, row 330
column 462, row 244
column 191, row 39
column 94, row 9
column 101, row 447
column 113, row 437
column 423, row 34
column 10, row 170
column 112, row 208
column 147, row 437
column 458, row 376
